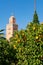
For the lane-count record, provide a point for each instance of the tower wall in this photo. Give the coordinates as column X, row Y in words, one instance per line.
column 11, row 27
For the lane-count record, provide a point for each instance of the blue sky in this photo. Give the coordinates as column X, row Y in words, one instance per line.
column 23, row 11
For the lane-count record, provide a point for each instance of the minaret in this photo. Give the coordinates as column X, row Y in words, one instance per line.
column 11, row 27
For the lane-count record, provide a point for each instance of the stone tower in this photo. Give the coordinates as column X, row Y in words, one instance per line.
column 11, row 27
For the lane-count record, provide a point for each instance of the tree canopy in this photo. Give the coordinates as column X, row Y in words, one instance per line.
column 35, row 18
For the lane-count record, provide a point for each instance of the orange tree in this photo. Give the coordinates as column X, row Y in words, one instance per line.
column 29, row 44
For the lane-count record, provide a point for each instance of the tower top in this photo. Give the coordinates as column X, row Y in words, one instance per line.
column 12, row 19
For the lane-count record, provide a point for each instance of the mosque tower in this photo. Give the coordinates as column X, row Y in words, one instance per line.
column 11, row 27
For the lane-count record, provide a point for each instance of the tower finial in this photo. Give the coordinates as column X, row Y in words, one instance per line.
column 34, row 5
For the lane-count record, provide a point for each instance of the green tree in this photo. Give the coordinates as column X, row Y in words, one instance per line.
column 7, row 53
column 35, row 18
column 29, row 45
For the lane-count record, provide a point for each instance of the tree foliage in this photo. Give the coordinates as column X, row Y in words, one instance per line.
column 29, row 45
column 35, row 18
column 7, row 53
